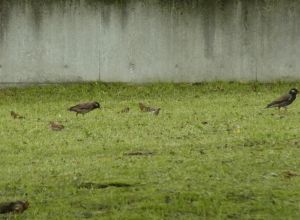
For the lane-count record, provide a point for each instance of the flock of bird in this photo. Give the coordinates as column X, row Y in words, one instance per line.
column 86, row 107
column 281, row 102
column 83, row 108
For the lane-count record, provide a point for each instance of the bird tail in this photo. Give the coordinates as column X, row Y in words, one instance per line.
column 157, row 111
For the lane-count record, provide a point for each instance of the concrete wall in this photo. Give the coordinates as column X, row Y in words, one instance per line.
column 149, row 40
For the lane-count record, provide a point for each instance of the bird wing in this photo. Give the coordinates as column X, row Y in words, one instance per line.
column 279, row 100
column 86, row 105
column 144, row 108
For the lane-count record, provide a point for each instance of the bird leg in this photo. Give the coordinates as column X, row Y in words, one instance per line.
column 279, row 110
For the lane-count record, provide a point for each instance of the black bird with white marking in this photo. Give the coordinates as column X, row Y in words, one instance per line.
column 285, row 100
column 84, row 107
column 14, row 207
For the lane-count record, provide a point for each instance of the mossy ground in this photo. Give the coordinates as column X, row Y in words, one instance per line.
column 213, row 152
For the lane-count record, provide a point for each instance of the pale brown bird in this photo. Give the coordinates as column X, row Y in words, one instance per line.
column 16, row 115
column 55, row 126
column 15, row 207
column 289, row 174
column 84, row 107
column 145, row 108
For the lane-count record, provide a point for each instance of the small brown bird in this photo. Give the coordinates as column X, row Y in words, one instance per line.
column 144, row 108
column 16, row 115
column 84, row 107
column 289, row 174
column 125, row 110
column 284, row 100
column 55, row 126
column 15, row 207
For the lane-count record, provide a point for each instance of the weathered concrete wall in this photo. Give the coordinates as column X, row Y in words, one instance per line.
column 149, row 40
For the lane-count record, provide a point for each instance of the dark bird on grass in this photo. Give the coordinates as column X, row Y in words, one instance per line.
column 144, row 108
column 84, row 107
column 14, row 207
column 125, row 110
column 16, row 115
column 284, row 100
column 55, row 126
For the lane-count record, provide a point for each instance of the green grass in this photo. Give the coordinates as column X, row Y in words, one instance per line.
column 213, row 152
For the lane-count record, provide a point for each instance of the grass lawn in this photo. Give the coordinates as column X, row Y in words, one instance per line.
column 213, row 152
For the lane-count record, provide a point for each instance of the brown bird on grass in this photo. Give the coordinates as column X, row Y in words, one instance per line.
column 144, row 108
column 289, row 174
column 16, row 115
column 84, row 107
column 284, row 100
column 15, row 207
column 55, row 126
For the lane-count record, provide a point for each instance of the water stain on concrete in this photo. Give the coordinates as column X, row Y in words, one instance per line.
column 37, row 14
column 5, row 9
column 106, row 7
column 105, row 12
column 209, row 26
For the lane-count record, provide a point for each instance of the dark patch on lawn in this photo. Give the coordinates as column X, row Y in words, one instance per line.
column 234, row 216
column 139, row 153
column 93, row 209
column 199, row 84
column 91, row 185
column 254, row 143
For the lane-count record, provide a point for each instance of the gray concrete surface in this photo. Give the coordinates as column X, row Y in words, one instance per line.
column 43, row 41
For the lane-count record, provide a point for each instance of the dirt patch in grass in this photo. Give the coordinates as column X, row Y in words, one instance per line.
column 91, row 185
column 139, row 153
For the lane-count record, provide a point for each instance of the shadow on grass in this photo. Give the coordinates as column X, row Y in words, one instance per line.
column 139, row 153
column 91, row 185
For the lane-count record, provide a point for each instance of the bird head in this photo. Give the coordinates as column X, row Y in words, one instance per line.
column 96, row 105
column 293, row 91
column 142, row 106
